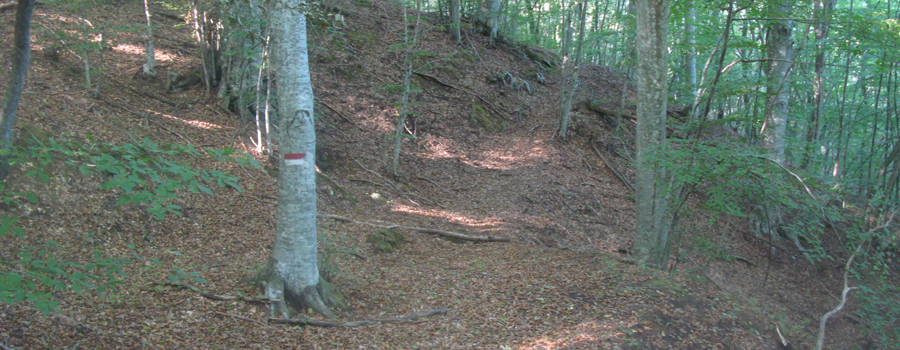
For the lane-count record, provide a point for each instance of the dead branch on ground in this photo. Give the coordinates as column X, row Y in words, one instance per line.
column 435, row 79
column 339, row 114
column 211, row 296
column 419, row 229
column 613, row 169
column 317, row 323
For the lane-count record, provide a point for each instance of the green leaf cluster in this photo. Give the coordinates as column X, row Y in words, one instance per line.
column 144, row 173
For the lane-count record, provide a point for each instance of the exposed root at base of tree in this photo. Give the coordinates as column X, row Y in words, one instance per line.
column 317, row 323
column 419, row 229
column 211, row 296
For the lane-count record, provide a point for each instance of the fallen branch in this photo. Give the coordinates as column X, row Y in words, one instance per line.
column 339, row 114
column 435, row 79
column 317, row 323
column 211, row 296
column 419, row 229
column 613, row 169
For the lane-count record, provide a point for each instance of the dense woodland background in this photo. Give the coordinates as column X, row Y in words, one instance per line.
column 476, row 167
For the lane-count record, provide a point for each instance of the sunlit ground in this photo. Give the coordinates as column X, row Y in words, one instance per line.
column 486, row 224
column 502, row 154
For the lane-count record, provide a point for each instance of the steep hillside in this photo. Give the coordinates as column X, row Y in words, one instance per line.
column 483, row 161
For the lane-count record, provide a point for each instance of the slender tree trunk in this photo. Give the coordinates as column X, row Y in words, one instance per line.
column 570, row 88
column 410, row 43
column 651, row 242
column 150, row 59
column 292, row 273
column 779, row 52
column 263, row 70
column 494, row 18
column 85, row 51
column 20, row 58
column 691, row 59
column 454, row 21
column 822, row 12
column 726, row 35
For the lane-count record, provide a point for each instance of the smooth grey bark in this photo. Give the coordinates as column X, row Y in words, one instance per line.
column 494, row 18
column 455, row 21
column 651, row 241
column 21, row 56
column 150, row 58
column 293, row 274
column 690, row 61
column 779, row 54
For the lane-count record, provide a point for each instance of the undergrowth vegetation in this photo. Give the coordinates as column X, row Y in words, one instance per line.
column 143, row 173
column 734, row 181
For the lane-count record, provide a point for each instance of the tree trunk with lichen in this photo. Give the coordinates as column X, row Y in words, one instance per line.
column 651, row 241
column 292, row 274
column 779, row 46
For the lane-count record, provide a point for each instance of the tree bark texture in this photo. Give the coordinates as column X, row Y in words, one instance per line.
column 651, row 240
column 294, row 275
column 20, row 58
column 779, row 52
column 455, row 22
column 243, row 41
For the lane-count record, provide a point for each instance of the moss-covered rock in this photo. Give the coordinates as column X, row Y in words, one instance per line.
column 385, row 240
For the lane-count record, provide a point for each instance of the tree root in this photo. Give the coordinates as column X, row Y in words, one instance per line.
column 317, row 323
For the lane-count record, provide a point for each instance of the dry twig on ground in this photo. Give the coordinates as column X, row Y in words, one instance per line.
column 317, row 323
column 419, row 229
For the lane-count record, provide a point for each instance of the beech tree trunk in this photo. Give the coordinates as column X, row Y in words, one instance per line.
column 150, row 58
column 20, row 57
column 454, row 21
column 292, row 274
column 779, row 47
column 651, row 242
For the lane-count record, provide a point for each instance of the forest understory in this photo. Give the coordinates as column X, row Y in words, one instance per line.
column 483, row 159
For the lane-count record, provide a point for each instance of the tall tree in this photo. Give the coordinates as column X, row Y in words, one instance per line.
column 292, row 274
column 494, row 18
column 651, row 242
column 455, row 21
column 20, row 57
column 569, row 90
column 779, row 55
column 150, row 58
column 822, row 10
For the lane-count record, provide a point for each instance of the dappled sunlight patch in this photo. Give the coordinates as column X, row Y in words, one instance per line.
column 456, row 218
column 503, row 153
column 437, row 147
column 588, row 332
column 510, row 152
column 192, row 122
column 371, row 115
column 138, row 50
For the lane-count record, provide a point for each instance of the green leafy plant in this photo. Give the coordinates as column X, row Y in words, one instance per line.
column 145, row 173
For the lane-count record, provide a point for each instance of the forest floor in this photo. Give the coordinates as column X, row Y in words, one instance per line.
column 559, row 283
